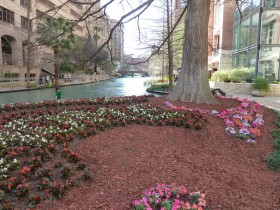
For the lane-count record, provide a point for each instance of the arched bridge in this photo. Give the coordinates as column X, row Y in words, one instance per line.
column 132, row 73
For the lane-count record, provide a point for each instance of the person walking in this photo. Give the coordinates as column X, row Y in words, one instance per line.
column 47, row 79
column 43, row 80
column 52, row 78
column 40, row 80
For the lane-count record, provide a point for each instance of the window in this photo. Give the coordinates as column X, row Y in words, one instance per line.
column 24, row 23
column 47, row 3
column 268, row 32
column 266, row 70
column 244, row 33
column 270, row 3
column 216, row 45
column 6, row 15
column 32, row 77
column 24, row 3
column 254, row 30
column 236, row 37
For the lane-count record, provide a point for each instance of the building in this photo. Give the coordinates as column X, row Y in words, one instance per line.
column 117, row 47
column 16, row 16
column 222, row 30
column 256, row 39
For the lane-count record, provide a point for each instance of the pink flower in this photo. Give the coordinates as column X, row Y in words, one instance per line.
column 136, row 203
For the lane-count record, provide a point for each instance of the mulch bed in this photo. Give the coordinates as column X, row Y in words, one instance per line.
column 128, row 160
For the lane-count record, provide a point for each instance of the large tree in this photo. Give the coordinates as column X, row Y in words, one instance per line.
column 57, row 34
column 193, row 84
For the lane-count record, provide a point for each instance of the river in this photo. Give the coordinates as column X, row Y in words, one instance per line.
column 115, row 87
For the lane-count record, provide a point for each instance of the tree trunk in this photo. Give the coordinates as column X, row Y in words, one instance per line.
column 193, row 84
column 28, row 46
column 56, row 65
column 169, row 46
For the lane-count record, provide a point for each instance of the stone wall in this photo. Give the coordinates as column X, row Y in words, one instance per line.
column 76, row 79
column 242, row 88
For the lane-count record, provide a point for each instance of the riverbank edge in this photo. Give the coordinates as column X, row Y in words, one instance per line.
column 157, row 92
column 20, row 89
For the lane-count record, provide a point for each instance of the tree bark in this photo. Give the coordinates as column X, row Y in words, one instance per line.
column 193, row 84
column 28, row 44
column 170, row 45
column 56, row 65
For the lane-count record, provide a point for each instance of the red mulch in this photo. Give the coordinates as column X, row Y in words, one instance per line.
column 128, row 160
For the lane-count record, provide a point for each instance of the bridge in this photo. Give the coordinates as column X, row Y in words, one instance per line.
column 132, row 73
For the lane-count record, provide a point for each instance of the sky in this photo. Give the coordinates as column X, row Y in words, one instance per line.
column 131, row 34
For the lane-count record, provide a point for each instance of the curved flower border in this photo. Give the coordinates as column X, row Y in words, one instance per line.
column 244, row 121
column 170, row 197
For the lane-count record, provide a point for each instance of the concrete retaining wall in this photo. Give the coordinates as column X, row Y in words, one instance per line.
column 84, row 78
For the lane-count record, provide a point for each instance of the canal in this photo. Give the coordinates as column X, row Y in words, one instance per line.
column 114, row 87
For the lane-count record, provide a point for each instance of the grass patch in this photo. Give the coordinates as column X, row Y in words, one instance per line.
column 273, row 160
column 158, row 87
column 277, row 144
column 276, row 133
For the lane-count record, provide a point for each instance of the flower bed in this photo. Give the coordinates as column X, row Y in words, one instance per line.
column 38, row 161
column 244, row 121
column 167, row 197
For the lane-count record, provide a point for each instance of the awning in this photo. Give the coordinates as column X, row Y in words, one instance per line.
column 48, row 72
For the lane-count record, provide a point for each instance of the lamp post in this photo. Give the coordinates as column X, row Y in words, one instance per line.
column 278, row 68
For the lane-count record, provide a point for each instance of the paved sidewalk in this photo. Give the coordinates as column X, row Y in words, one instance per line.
column 272, row 102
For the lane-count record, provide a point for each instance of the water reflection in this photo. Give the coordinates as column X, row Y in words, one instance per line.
column 114, row 87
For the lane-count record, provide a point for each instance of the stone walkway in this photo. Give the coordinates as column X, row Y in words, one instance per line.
column 272, row 102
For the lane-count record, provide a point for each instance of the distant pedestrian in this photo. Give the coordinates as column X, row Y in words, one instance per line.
column 40, row 80
column 47, row 79
column 43, row 80
column 52, row 78
column 58, row 93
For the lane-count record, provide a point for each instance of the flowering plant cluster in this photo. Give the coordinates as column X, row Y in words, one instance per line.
column 244, row 121
column 37, row 160
column 170, row 197
column 73, row 102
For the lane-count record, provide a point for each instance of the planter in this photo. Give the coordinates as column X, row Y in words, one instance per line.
column 258, row 93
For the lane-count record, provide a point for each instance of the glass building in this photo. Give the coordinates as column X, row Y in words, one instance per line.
column 256, row 38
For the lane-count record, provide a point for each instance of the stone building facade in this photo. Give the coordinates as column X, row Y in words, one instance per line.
column 14, row 25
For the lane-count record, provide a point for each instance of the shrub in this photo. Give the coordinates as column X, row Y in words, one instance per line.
column 273, row 161
column 49, row 85
column 261, row 83
column 221, row 75
column 239, row 75
column 158, row 87
column 277, row 144
column 232, row 75
column 33, row 85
